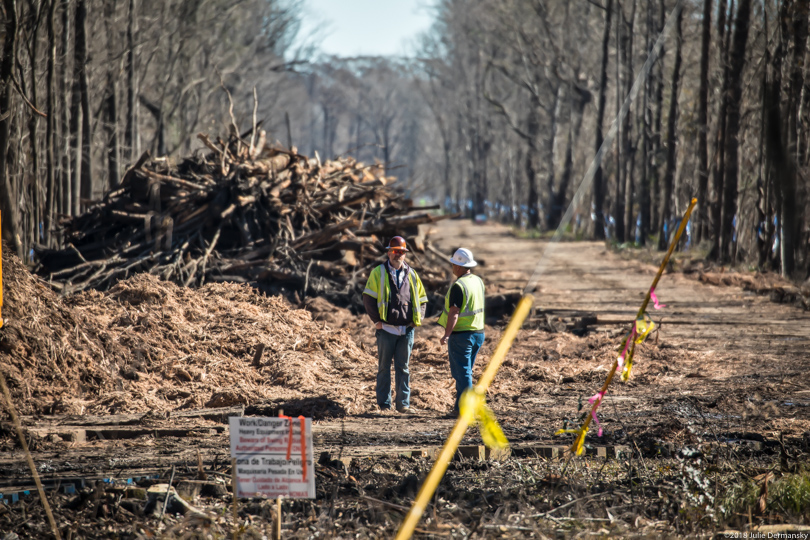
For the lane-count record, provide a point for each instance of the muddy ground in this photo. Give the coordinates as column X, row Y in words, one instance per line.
column 711, row 431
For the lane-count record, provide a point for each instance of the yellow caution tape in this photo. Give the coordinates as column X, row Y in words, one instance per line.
column 644, row 326
column 577, row 447
column 473, row 404
column 628, row 362
column 580, row 441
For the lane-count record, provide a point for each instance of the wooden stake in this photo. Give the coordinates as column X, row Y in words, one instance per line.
column 277, row 534
column 200, row 470
column 168, row 494
column 235, row 502
column 257, row 356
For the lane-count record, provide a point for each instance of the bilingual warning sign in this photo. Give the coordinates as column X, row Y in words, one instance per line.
column 273, row 457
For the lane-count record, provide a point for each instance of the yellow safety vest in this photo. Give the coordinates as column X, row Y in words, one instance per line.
column 377, row 287
column 471, row 314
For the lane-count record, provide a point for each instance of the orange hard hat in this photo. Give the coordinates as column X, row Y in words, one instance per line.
column 397, row 242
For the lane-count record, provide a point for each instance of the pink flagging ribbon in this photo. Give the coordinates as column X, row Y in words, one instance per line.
column 656, row 305
column 596, row 398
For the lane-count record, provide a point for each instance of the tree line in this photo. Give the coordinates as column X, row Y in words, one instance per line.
column 499, row 112
column 523, row 92
column 86, row 86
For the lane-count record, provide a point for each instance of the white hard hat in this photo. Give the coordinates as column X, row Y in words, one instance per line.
column 463, row 257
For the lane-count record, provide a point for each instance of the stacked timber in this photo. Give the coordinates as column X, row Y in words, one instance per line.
column 243, row 212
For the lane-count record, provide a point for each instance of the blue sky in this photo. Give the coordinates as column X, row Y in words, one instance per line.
column 366, row 27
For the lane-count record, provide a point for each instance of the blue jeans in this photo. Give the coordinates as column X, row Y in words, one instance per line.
column 462, row 349
column 398, row 349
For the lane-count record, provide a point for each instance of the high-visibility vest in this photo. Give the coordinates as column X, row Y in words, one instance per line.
column 471, row 314
column 377, row 287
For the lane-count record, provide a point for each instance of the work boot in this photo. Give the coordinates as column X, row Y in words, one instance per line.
column 406, row 410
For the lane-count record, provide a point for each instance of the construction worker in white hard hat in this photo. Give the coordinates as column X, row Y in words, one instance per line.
column 395, row 301
column 463, row 321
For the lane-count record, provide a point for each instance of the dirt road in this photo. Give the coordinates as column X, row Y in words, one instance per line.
column 725, row 365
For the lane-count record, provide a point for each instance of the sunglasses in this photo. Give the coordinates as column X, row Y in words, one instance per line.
column 398, row 251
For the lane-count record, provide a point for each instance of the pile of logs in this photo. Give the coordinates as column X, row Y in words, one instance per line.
column 244, row 212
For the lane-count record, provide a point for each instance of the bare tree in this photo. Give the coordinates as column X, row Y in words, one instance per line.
column 737, row 61
column 646, row 136
column 718, row 168
column 487, row 118
column 9, row 216
column 784, row 160
column 701, row 222
column 111, row 98
column 50, row 135
column 672, row 141
column 627, row 150
column 598, row 182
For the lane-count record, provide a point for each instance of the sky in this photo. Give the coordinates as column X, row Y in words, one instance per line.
column 366, row 27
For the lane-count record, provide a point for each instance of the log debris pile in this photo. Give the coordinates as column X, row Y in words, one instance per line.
column 242, row 213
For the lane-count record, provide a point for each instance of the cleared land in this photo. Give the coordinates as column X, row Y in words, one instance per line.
column 714, row 421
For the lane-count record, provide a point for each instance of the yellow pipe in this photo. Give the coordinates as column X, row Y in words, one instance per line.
column 463, row 421
column 521, row 312
column 641, row 311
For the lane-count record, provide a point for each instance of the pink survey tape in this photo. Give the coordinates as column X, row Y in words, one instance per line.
column 656, row 305
column 596, row 398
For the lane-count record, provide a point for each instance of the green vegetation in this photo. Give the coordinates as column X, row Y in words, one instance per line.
column 787, row 495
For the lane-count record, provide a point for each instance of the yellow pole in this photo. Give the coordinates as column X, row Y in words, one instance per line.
column 641, row 311
column 450, row 446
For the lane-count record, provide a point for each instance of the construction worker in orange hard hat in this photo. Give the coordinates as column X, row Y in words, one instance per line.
column 395, row 301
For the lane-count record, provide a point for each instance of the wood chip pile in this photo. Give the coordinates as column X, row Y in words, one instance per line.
column 242, row 213
column 151, row 345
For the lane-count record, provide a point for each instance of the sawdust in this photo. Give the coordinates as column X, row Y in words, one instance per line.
column 776, row 287
column 150, row 345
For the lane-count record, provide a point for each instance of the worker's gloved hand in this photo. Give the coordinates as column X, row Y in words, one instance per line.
column 378, row 326
column 443, row 341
